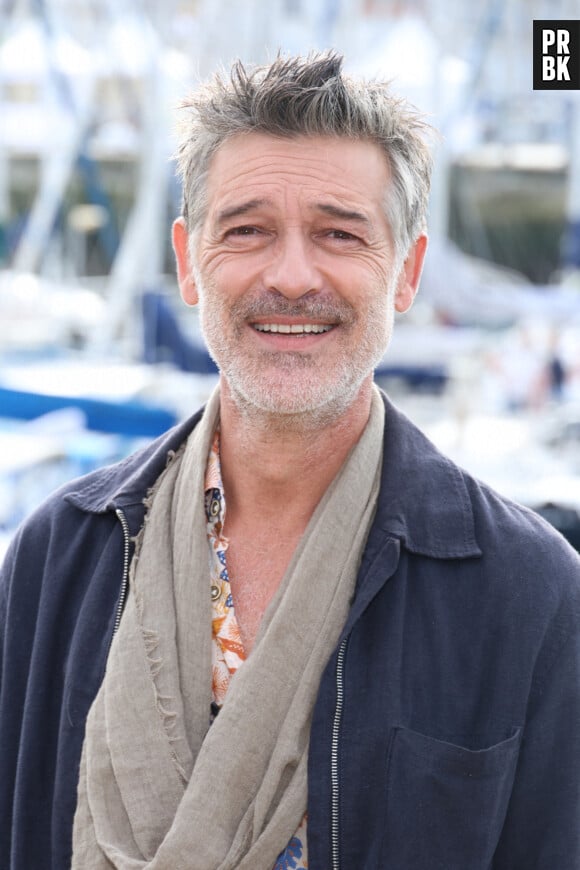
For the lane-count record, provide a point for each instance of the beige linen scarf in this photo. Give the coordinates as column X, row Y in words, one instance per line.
column 150, row 790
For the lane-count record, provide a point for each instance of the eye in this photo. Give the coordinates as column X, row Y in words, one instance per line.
column 243, row 231
column 342, row 238
column 342, row 234
column 245, row 236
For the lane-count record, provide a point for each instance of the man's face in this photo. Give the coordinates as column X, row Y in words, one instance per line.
column 295, row 270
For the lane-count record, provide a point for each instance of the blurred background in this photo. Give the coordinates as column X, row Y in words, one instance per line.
column 98, row 355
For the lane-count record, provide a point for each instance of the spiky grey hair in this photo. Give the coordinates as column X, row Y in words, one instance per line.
column 308, row 96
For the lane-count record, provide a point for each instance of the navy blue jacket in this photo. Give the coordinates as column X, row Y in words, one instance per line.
column 446, row 734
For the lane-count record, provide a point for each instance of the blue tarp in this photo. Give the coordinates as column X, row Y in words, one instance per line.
column 131, row 418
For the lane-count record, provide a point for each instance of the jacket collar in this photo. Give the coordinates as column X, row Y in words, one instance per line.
column 127, row 483
column 424, row 500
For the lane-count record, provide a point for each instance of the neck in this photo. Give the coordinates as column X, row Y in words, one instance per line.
column 276, row 464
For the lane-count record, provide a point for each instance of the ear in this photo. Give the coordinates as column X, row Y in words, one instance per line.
column 185, row 276
column 408, row 282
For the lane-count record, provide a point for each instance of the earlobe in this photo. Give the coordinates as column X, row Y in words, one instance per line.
column 185, row 276
column 410, row 275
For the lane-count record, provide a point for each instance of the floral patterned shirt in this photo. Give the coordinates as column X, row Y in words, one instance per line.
column 227, row 647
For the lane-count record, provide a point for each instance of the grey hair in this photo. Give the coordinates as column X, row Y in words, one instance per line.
column 297, row 96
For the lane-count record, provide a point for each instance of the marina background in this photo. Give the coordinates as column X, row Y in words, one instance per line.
column 98, row 355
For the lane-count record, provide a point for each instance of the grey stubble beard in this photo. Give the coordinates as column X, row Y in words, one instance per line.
column 267, row 401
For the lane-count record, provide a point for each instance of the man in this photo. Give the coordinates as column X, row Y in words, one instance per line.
column 290, row 633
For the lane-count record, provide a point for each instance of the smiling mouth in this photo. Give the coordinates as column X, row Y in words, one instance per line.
column 293, row 328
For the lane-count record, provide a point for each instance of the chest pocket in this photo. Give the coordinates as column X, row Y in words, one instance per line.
column 446, row 804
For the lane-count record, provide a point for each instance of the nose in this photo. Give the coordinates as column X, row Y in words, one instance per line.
column 292, row 270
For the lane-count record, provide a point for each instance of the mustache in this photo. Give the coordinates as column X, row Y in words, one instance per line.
column 327, row 310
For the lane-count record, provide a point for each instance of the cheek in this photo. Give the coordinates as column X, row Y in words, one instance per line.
column 219, row 312
column 231, row 275
column 363, row 275
column 371, row 291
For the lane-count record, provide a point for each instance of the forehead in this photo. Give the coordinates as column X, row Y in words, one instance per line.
column 304, row 168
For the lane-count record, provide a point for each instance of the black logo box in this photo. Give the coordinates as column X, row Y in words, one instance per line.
column 573, row 65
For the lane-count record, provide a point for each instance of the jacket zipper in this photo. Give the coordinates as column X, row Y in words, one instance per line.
column 335, row 839
column 125, row 581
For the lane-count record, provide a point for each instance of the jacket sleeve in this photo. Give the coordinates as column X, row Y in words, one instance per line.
column 3, row 596
column 542, row 827
column 10, row 705
column 6, row 570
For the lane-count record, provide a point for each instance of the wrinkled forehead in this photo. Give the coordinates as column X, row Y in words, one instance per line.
column 265, row 167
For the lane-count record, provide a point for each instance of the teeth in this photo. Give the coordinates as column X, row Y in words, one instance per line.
column 294, row 328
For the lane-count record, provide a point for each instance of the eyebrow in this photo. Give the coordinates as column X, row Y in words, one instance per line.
column 335, row 211
column 342, row 213
column 238, row 210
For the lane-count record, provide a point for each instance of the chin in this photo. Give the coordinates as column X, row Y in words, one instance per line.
column 294, row 404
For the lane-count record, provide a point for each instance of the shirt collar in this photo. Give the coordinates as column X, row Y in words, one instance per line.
column 215, row 504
